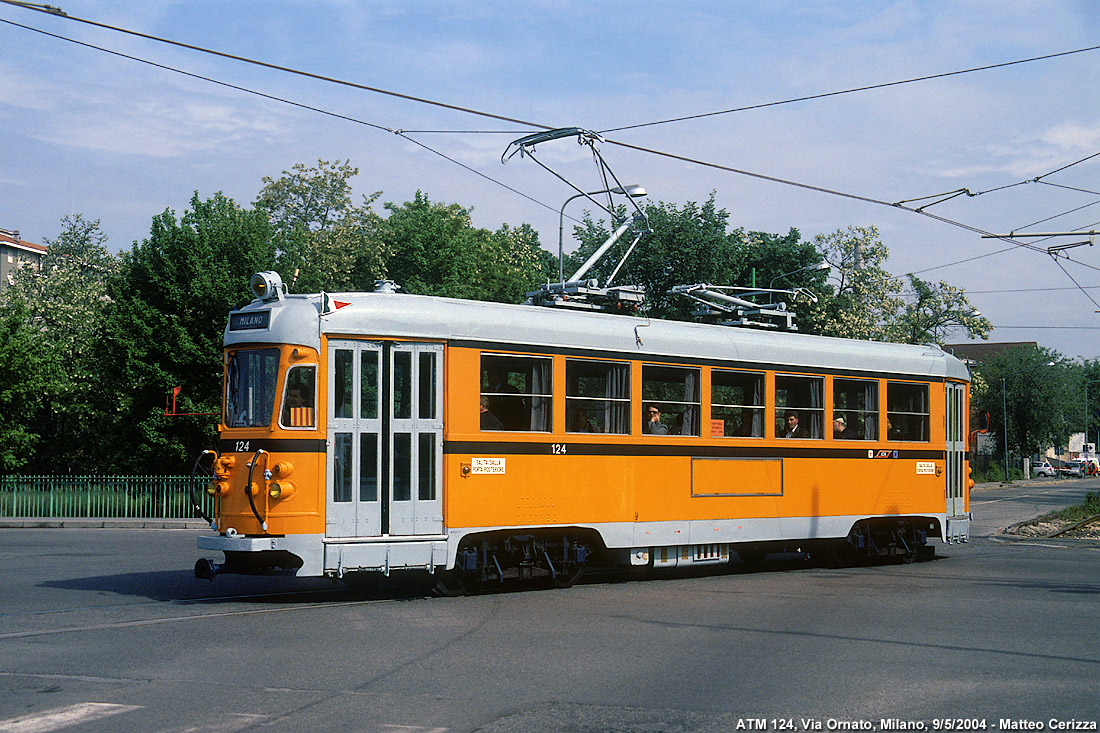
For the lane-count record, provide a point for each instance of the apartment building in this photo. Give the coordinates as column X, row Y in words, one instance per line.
column 16, row 253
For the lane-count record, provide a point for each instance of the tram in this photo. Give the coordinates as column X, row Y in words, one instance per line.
column 365, row 434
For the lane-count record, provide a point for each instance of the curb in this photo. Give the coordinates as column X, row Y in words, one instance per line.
column 94, row 523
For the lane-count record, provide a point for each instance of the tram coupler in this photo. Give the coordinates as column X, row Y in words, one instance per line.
column 206, row 569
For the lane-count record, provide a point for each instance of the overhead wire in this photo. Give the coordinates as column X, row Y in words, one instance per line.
column 467, row 110
column 400, row 133
column 853, row 90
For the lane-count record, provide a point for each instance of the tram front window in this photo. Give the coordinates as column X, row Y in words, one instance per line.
column 250, row 387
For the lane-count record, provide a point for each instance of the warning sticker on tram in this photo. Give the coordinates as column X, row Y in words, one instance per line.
column 926, row 467
column 487, row 465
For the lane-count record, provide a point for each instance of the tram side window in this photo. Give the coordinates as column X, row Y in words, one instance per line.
column 251, row 375
column 299, row 397
column 736, row 404
column 516, row 393
column 597, row 397
column 907, row 413
column 670, row 398
column 799, row 410
column 855, row 409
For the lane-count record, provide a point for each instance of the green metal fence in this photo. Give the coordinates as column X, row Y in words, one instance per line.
column 143, row 497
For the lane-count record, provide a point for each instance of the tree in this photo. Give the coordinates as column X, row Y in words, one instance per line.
column 22, row 378
column 932, row 312
column 317, row 229
column 433, row 249
column 65, row 300
column 170, row 304
column 870, row 303
column 864, row 303
column 1042, row 405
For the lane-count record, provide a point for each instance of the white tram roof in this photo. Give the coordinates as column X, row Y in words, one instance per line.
column 297, row 320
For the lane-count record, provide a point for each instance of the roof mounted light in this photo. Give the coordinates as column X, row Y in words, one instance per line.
column 267, row 285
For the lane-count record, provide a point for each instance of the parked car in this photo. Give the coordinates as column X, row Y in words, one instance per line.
column 1043, row 468
column 1073, row 468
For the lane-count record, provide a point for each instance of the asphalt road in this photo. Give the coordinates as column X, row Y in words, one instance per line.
column 106, row 630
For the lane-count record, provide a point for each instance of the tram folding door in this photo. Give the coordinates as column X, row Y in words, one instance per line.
column 956, row 448
column 385, row 439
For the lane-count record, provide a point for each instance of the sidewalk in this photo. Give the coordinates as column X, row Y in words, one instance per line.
column 93, row 523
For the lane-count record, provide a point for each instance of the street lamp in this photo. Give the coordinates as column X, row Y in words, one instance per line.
column 817, row 266
column 1004, row 405
column 633, row 191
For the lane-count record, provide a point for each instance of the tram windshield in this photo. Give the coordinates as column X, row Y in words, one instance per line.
column 250, row 387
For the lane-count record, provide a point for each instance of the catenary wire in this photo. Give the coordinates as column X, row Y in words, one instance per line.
column 850, row 91
column 49, row 10
column 53, row 11
column 400, row 133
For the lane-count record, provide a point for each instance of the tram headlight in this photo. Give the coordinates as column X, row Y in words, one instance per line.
column 266, row 285
column 218, row 488
column 282, row 469
column 281, row 490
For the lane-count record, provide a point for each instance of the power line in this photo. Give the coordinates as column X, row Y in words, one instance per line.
column 49, row 10
column 849, row 91
column 400, row 133
column 54, row 11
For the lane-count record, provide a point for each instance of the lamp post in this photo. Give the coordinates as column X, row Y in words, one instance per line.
column 1004, row 405
column 633, row 191
column 808, row 268
column 1087, row 383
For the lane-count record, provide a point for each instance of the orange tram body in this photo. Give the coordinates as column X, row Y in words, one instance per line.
column 372, row 433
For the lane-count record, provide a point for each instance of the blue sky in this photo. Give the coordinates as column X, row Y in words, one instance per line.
column 85, row 132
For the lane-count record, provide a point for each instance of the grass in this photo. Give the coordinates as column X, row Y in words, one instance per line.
column 1090, row 508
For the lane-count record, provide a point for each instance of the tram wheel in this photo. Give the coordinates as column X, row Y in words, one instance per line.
column 449, row 584
column 569, row 578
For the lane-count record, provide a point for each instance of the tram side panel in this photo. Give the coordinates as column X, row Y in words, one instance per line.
column 522, row 480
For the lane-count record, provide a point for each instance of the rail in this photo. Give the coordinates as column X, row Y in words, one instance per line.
column 139, row 497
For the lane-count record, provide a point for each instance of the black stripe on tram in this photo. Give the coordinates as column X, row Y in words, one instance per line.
column 459, row 447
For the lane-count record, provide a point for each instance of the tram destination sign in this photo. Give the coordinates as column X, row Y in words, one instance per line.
column 249, row 321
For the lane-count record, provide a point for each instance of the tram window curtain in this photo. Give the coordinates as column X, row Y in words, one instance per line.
column 870, row 422
column 816, row 405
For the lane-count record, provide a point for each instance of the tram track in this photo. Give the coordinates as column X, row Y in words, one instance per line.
column 163, row 620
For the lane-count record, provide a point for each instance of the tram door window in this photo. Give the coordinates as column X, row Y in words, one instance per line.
column 800, row 397
column 674, row 393
column 907, row 413
column 956, row 448
column 855, row 409
column 385, row 439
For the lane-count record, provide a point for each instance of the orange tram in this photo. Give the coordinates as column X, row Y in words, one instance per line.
column 365, row 434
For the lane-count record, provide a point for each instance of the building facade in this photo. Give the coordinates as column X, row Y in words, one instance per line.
column 16, row 253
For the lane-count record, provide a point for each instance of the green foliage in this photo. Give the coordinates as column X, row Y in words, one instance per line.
column 1043, row 408
column 691, row 244
column 22, row 376
column 170, row 304
column 65, row 299
column 318, row 231
column 432, row 249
